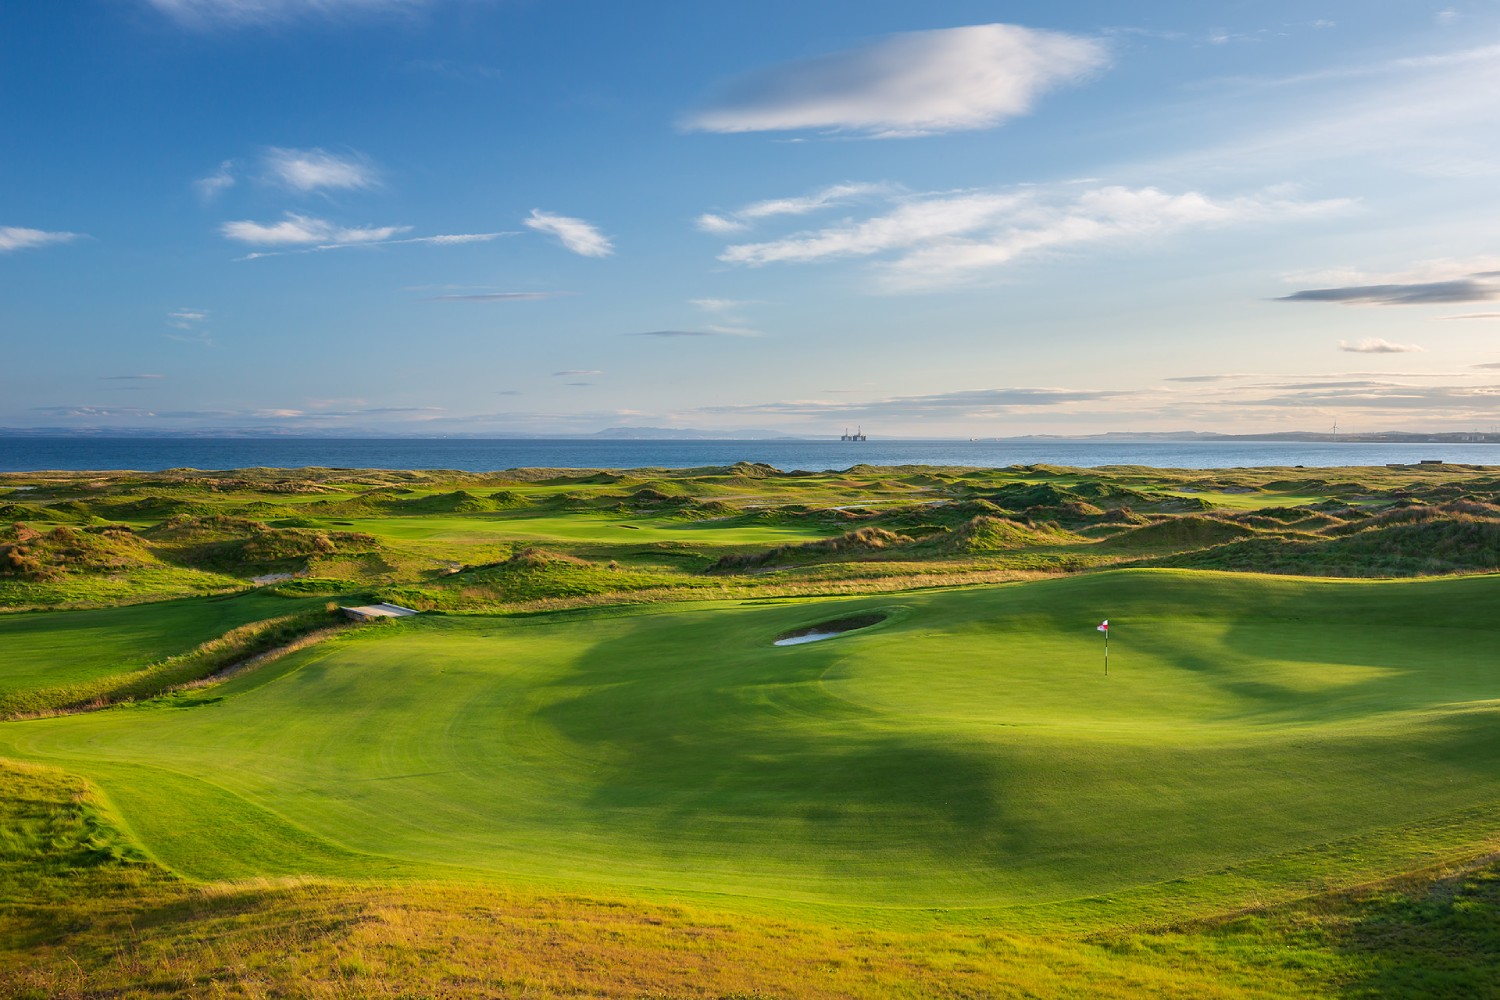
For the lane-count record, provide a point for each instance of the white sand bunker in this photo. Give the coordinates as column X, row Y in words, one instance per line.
column 827, row 630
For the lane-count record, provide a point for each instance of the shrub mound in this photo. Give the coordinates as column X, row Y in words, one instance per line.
column 851, row 544
column 996, row 534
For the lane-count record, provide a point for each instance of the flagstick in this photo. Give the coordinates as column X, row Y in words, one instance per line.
column 1106, row 652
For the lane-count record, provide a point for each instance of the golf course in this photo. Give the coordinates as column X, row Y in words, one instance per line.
column 1284, row 780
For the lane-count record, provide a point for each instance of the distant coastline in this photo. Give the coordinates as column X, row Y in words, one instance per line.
column 695, row 434
column 146, row 454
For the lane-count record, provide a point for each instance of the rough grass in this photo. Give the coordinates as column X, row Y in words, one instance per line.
column 84, row 914
column 1178, row 533
column 862, row 542
column 1381, row 547
column 998, row 534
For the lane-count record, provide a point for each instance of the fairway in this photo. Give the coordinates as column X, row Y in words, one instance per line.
column 44, row 649
column 965, row 752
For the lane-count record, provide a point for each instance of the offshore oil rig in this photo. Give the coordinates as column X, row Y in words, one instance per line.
column 858, row 435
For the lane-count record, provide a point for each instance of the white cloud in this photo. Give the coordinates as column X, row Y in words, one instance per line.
column 295, row 230
column 1375, row 345
column 578, row 236
column 946, row 238
column 1430, row 115
column 454, row 239
column 309, row 170
column 183, row 319
column 216, row 183
column 235, row 13
column 18, row 238
column 718, row 305
column 718, row 224
column 495, row 296
column 912, row 224
column 917, row 83
column 445, row 239
column 741, row 218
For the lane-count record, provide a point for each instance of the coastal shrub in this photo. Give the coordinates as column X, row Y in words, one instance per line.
column 860, row 542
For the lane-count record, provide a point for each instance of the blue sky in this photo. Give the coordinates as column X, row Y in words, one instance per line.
column 942, row 219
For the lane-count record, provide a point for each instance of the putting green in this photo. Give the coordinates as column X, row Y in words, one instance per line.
column 966, row 751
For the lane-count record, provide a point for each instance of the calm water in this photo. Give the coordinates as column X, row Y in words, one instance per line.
column 151, row 454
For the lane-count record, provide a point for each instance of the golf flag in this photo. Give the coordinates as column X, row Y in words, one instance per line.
column 1104, row 626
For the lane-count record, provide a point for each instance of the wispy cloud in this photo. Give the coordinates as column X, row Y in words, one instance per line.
column 741, row 218
column 946, row 238
column 1468, row 399
column 577, row 235
column 295, row 230
column 309, row 170
column 189, row 321
column 446, row 239
column 1375, row 345
column 216, row 183
column 451, row 69
column 312, row 235
column 496, row 297
column 1202, row 378
column 129, row 378
column 720, row 305
column 675, row 333
column 969, row 403
column 1429, row 115
column 568, row 372
column 199, row 338
column 19, row 238
column 1474, row 316
column 94, row 411
column 917, row 83
column 1488, row 365
column 1416, row 294
column 240, row 13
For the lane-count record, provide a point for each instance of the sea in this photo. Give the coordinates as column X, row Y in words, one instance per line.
column 27, row 454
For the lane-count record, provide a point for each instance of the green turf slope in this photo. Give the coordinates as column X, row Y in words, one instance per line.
column 43, row 649
column 968, row 751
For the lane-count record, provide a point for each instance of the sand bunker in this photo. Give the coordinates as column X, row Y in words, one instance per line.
column 827, row 630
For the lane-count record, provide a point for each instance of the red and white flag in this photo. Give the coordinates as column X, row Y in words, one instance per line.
column 1104, row 625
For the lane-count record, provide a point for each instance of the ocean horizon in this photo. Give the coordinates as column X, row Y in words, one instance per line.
column 74, row 454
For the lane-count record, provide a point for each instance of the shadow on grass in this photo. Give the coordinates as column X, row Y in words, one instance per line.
column 755, row 754
column 1439, row 940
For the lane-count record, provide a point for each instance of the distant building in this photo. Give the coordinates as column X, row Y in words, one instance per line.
column 858, row 435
